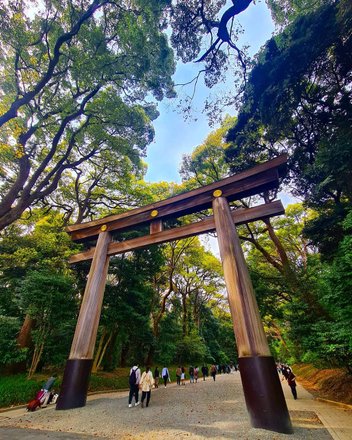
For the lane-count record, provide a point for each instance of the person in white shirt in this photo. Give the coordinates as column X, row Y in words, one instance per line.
column 134, row 379
column 165, row 375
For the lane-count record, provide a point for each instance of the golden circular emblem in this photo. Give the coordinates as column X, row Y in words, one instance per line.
column 103, row 228
column 154, row 213
column 217, row 193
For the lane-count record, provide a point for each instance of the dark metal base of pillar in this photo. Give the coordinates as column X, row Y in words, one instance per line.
column 263, row 393
column 74, row 388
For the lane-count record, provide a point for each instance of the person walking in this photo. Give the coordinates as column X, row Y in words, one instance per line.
column 213, row 372
column 134, row 379
column 156, row 377
column 204, row 371
column 183, row 375
column 178, row 375
column 196, row 372
column 291, row 380
column 191, row 374
column 165, row 375
column 146, row 384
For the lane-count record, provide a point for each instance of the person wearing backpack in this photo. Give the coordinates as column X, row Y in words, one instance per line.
column 134, row 379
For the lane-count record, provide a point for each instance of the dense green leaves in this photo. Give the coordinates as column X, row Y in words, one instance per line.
column 74, row 100
column 298, row 100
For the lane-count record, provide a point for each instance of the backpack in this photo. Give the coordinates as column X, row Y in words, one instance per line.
column 40, row 396
column 133, row 378
column 33, row 405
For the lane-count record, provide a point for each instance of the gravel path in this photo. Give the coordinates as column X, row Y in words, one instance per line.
column 206, row 410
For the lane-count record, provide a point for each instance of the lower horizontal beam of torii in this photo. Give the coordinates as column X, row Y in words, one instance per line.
column 240, row 216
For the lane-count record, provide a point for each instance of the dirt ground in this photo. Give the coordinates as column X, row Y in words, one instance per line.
column 333, row 384
column 206, row 410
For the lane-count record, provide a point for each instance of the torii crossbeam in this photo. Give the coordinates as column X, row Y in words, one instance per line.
column 262, row 389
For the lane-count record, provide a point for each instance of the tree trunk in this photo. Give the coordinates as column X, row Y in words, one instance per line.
column 150, row 355
column 38, row 351
column 103, row 351
column 24, row 338
column 110, row 359
column 184, row 315
column 98, row 351
column 123, row 357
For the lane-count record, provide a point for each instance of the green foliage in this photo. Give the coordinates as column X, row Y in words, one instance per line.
column 127, row 305
column 18, row 390
column 36, row 281
column 207, row 163
column 291, row 105
column 101, row 382
column 286, row 11
column 170, row 335
column 334, row 334
column 191, row 349
column 76, row 79
column 49, row 299
column 10, row 353
column 15, row 390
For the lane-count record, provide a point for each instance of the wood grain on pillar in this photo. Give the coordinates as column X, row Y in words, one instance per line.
column 88, row 321
column 249, row 332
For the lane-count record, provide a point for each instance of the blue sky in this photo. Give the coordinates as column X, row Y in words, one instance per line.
column 173, row 135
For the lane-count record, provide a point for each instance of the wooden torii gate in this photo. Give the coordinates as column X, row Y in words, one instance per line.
column 262, row 388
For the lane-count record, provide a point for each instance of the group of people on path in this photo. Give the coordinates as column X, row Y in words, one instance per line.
column 146, row 381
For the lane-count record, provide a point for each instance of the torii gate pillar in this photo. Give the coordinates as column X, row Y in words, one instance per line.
column 261, row 384
column 76, row 377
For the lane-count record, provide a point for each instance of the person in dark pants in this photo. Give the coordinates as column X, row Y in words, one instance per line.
column 178, row 375
column 191, row 374
column 165, row 375
column 134, row 379
column 213, row 372
column 291, row 380
column 146, row 385
column 204, row 371
column 156, row 377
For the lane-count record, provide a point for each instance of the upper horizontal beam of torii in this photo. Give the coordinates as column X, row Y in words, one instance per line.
column 253, row 181
column 239, row 216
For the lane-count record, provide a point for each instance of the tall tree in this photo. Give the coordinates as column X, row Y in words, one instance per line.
column 34, row 272
column 74, row 90
column 300, row 102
